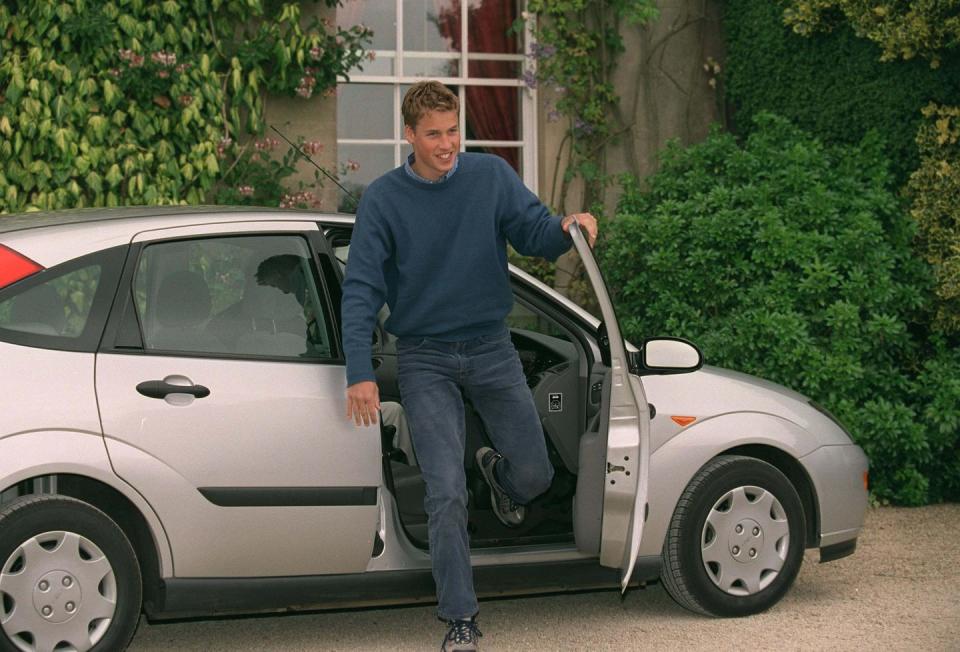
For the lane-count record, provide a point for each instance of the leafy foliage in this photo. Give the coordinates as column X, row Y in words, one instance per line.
column 134, row 102
column 792, row 260
column 832, row 85
column 901, row 29
column 935, row 188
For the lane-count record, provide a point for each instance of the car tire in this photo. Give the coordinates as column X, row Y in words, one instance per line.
column 67, row 574
column 736, row 539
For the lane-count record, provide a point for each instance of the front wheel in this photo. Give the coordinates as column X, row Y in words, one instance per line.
column 69, row 578
column 736, row 539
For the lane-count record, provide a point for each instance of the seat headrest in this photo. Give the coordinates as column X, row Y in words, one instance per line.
column 183, row 300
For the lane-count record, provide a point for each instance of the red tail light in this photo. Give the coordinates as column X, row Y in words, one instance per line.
column 14, row 267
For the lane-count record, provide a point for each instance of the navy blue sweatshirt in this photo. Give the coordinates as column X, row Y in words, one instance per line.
column 436, row 254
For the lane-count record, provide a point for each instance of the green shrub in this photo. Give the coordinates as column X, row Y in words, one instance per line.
column 792, row 260
column 833, row 85
column 938, row 396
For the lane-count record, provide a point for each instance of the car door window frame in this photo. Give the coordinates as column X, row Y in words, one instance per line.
column 124, row 331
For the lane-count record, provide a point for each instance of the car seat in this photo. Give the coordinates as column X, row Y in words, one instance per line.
column 274, row 321
column 181, row 311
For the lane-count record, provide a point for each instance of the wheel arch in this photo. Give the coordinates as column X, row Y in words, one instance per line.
column 790, row 467
column 115, row 505
column 29, row 457
column 674, row 463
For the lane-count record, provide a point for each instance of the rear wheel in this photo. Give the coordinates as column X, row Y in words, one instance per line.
column 69, row 578
column 735, row 542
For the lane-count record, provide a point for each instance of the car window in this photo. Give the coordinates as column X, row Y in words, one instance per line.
column 241, row 295
column 525, row 318
column 63, row 307
column 59, row 307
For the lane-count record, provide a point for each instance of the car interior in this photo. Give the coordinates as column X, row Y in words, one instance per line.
column 567, row 386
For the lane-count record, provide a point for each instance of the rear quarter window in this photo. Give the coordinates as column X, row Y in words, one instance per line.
column 64, row 307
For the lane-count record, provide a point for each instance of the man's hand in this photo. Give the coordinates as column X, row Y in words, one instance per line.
column 363, row 401
column 588, row 224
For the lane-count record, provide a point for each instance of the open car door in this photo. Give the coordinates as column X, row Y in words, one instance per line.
column 628, row 438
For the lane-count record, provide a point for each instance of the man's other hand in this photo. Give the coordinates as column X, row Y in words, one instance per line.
column 363, row 401
column 588, row 224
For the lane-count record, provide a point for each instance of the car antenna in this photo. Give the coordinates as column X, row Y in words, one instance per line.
column 356, row 202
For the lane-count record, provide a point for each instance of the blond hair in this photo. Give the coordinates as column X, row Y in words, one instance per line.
column 426, row 96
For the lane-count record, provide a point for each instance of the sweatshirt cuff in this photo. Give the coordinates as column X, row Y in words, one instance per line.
column 561, row 242
column 359, row 369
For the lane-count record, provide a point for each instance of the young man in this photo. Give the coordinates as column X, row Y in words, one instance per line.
column 431, row 242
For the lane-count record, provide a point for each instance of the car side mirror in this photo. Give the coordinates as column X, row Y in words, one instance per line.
column 669, row 355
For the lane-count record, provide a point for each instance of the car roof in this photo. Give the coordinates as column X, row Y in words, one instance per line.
column 43, row 219
column 53, row 237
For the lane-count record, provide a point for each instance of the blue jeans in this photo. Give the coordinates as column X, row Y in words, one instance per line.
column 434, row 377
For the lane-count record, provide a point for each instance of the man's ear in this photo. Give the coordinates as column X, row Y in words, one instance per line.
column 408, row 133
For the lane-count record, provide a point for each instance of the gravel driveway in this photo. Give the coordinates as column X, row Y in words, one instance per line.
column 899, row 591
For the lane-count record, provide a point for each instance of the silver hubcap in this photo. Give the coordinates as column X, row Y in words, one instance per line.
column 57, row 590
column 745, row 540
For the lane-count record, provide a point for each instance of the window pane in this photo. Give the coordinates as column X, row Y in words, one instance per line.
column 359, row 165
column 431, row 25
column 493, row 113
column 57, row 307
column 489, row 22
column 380, row 16
column 420, row 67
column 251, row 296
column 494, row 69
column 379, row 65
column 364, row 111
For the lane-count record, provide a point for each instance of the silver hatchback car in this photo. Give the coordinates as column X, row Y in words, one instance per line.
column 172, row 441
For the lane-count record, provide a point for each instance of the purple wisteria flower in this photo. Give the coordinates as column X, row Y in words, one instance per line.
column 583, row 126
column 529, row 78
column 538, row 51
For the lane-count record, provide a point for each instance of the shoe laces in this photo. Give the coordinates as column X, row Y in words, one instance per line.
column 503, row 498
column 506, row 502
column 463, row 631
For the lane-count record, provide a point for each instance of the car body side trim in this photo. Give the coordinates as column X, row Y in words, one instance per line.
column 188, row 597
column 289, row 496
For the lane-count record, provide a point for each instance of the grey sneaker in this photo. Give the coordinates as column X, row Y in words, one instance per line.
column 463, row 636
column 508, row 512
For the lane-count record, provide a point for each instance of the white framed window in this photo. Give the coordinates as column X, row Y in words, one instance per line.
column 466, row 45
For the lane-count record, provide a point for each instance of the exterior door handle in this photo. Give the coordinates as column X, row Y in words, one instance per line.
column 160, row 389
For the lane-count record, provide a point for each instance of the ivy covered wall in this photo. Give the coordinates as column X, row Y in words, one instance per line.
column 140, row 102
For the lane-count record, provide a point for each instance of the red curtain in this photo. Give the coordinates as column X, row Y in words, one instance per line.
column 491, row 111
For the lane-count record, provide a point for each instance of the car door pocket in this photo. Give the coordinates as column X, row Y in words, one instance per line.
column 376, row 361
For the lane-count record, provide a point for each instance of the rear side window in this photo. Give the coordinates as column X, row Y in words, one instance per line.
column 64, row 307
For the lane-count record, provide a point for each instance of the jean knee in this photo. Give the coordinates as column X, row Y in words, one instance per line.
column 531, row 480
column 446, row 505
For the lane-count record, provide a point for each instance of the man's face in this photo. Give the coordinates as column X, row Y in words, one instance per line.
column 436, row 142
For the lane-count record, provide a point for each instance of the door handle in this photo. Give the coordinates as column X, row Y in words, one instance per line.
column 160, row 389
